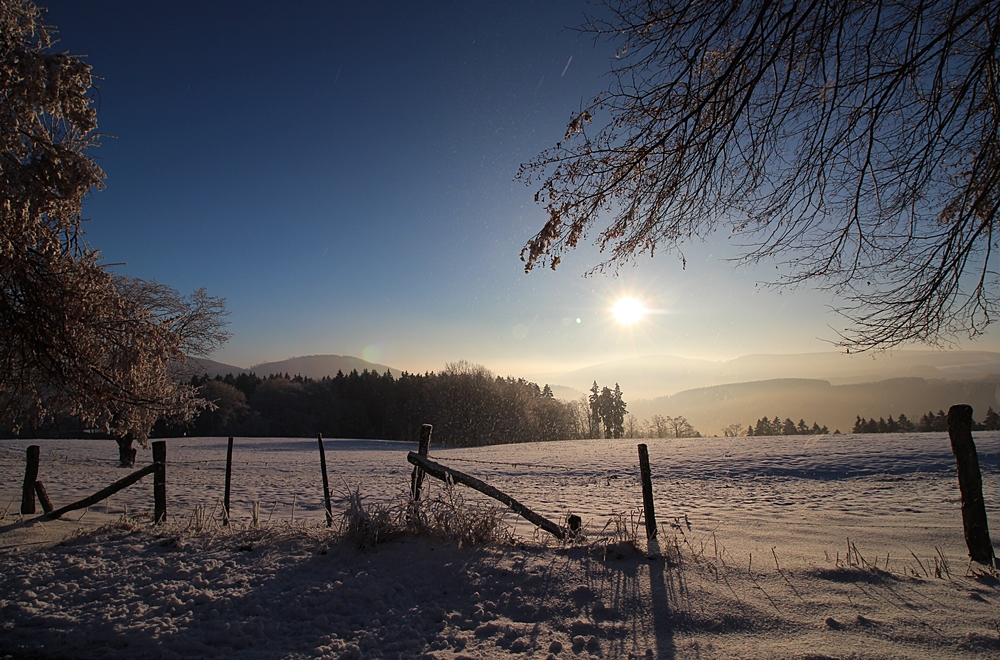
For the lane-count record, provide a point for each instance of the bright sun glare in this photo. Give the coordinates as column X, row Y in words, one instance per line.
column 628, row 310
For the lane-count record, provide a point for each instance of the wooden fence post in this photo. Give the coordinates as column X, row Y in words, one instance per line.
column 417, row 478
column 970, row 483
column 229, row 478
column 326, row 481
column 30, row 477
column 160, row 482
column 43, row 497
column 647, row 492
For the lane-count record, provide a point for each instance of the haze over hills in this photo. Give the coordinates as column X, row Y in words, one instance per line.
column 710, row 409
column 663, row 375
column 310, row 366
column 655, row 376
column 828, row 388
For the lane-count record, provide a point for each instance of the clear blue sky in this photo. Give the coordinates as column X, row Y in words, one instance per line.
column 342, row 173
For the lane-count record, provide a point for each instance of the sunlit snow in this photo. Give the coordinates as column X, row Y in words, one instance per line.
column 758, row 531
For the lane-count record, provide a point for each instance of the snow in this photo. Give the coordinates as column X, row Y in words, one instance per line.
column 808, row 547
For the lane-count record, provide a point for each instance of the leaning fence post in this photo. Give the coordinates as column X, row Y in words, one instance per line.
column 449, row 475
column 30, row 476
column 229, row 477
column 160, row 482
column 417, row 478
column 970, row 483
column 102, row 494
column 647, row 492
column 43, row 497
column 326, row 481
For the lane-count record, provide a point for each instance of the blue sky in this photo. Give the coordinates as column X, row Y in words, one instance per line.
column 343, row 174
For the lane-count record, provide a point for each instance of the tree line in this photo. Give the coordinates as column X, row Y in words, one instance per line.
column 929, row 422
column 466, row 403
column 764, row 427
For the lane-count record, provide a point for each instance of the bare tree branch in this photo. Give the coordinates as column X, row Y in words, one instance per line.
column 857, row 144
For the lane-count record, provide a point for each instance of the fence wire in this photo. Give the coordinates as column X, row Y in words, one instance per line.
column 292, row 477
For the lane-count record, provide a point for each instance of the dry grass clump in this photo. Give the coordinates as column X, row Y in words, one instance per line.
column 365, row 526
column 620, row 538
column 449, row 516
column 623, row 527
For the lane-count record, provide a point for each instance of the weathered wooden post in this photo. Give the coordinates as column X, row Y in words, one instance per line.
column 30, row 477
column 970, row 483
column 326, row 481
column 43, row 497
column 229, row 478
column 647, row 492
column 417, row 478
column 160, row 482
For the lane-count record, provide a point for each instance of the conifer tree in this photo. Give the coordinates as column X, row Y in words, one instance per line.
column 992, row 420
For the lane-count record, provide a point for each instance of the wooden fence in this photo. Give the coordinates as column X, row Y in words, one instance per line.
column 33, row 486
column 974, row 519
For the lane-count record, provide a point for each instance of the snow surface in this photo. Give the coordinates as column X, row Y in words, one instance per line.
column 770, row 545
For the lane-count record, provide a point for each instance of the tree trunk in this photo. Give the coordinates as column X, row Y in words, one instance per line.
column 126, row 455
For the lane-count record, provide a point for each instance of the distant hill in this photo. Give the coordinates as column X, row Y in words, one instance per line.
column 709, row 409
column 828, row 388
column 310, row 366
column 660, row 375
column 566, row 393
column 213, row 368
column 318, row 366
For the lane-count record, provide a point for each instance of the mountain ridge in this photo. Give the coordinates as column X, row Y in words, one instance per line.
column 710, row 409
column 310, row 366
column 654, row 376
column 828, row 388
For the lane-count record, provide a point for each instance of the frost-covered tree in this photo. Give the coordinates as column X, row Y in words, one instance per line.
column 657, row 427
column 680, row 427
column 734, row 430
column 607, row 409
column 855, row 143
column 74, row 338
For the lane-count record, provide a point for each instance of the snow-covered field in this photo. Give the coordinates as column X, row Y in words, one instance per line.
column 808, row 547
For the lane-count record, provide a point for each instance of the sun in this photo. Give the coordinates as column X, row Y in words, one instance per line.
column 628, row 311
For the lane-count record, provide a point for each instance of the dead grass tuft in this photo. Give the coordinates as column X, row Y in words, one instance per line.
column 365, row 526
column 449, row 516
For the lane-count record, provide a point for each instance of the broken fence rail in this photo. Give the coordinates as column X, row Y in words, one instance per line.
column 447, row 474
column 103, row 494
